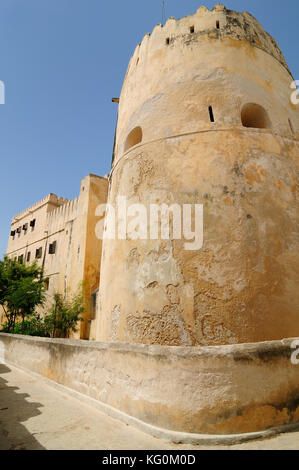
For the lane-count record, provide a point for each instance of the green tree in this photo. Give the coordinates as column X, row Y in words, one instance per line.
column 65, row 315
column 4, row 283
column 22, row 289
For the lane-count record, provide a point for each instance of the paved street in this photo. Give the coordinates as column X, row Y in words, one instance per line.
column 33, row 415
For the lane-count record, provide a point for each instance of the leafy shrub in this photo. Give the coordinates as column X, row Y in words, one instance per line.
column 34, row 326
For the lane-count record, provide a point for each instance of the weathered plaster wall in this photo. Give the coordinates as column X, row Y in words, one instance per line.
column 97, row 189
column 32, row 239
column 241, row 286
column 214, row 390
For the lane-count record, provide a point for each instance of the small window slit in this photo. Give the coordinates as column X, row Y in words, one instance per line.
column 211, row 113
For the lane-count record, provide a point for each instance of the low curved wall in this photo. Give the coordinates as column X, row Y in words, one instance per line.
column 210, row 390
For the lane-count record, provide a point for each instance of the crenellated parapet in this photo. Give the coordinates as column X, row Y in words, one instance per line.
column 216, row 24
column 198, row 74
column 50, row 199
column 57, row 218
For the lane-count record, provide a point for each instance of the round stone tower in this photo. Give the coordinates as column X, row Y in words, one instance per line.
column 205, row 117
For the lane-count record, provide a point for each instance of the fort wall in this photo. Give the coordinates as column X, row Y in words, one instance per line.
column 254, row 387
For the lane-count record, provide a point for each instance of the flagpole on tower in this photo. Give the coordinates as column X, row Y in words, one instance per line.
column 163, row 12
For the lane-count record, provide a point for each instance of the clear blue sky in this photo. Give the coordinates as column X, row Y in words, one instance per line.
column 62, row 61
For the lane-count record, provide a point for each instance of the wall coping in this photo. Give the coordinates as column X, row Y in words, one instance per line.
column 243, row 351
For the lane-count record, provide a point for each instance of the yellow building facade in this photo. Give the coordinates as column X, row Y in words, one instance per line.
column 59, row 235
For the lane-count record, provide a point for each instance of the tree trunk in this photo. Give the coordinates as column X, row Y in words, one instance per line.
column 23, row 323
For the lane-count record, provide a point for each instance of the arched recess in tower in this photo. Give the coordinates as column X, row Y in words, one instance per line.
column 134, row 138
column 254, row 115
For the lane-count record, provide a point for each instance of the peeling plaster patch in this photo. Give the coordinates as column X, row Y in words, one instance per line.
column 208, row 75
column 162, row 254
column 177, row 321
column 158, row 328
column 173, row 294
column 144, row 171
column 133, row 258
column 115, row 321
column 216, row 332
column 218, row 273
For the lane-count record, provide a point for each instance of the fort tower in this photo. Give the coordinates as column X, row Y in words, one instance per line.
column 205, row 117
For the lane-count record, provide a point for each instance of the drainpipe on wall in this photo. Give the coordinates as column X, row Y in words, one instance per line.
column 44, row 257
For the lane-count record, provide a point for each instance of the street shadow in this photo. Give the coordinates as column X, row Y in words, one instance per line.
column 15, row 410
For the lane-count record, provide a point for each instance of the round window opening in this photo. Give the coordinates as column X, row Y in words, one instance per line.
column 134, row 138
column 254, row 115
